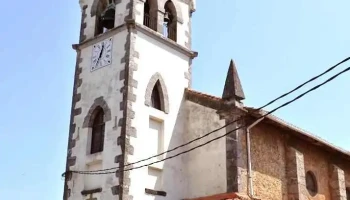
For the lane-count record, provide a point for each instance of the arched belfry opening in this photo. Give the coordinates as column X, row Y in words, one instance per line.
column 98, row 131
column 150, row 11
column 170, row 20
column 105, row 16
column 156, row 95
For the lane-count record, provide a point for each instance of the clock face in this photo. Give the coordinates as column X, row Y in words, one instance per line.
column 101, row 54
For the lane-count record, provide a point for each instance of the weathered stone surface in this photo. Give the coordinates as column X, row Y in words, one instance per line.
column 127, row 131
column 71, row 160
column 83, row 24
column 295, row 173
column 99, row 102
column 337, row 183
column 233, row 88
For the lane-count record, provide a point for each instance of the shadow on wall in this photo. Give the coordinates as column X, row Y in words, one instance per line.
column 172, row 178
column 201, row 172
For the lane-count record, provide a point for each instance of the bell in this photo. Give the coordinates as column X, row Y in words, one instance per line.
column 108, row 16
column 166, row 17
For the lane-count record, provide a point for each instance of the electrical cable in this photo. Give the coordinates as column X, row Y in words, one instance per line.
column 211, row 132
column 302, row 85
column 196, row 147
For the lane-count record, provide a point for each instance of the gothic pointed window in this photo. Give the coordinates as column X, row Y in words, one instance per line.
column 98, row 129
column 156, row 94
column 156, row 97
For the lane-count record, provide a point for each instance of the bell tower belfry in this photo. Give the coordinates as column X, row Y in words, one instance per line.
column 133, row 64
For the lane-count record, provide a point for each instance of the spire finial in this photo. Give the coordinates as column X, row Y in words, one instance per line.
column 233, row 87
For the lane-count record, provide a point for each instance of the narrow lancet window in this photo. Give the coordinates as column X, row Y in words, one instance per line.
column 156, row 97
column 98, row 129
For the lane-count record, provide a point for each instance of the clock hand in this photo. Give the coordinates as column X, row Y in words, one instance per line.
column 103, row 47
column 99, row 57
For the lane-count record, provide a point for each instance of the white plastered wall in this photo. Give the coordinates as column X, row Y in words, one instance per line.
column 156, row 57
column 102, row 82
column 205, row 166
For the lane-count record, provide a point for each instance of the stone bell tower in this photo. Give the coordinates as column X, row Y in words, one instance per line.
column 133, row 63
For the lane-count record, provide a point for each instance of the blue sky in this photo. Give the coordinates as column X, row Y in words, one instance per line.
column 276, row 45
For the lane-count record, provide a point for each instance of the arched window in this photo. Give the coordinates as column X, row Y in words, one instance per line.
column 156, row 94
column 105, row 15
column 311, row 183
column 150, row 10
column 348, row 193
column 170, row 20
column 98, row 129
column 156, row 97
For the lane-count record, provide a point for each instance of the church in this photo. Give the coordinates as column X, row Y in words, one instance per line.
column 132, row 100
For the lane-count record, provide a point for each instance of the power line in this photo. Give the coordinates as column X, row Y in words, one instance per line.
column 206, row 135
column 201, row 137
column 302, row 85
column 105, row 171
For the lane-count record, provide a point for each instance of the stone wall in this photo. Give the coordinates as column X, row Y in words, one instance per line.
column 268, row 163
column 347, row 179
column 280, row 162
column 316, row 160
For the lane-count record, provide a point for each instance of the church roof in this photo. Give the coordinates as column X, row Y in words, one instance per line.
column 218, row 103
column 298, row 132
column 203, row 99
column 233, row 87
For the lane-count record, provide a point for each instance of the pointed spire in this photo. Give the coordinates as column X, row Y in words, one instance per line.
column 233, row 88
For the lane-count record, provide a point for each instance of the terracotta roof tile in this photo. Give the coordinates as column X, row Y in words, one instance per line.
column 204, row 99
column 194, row 92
